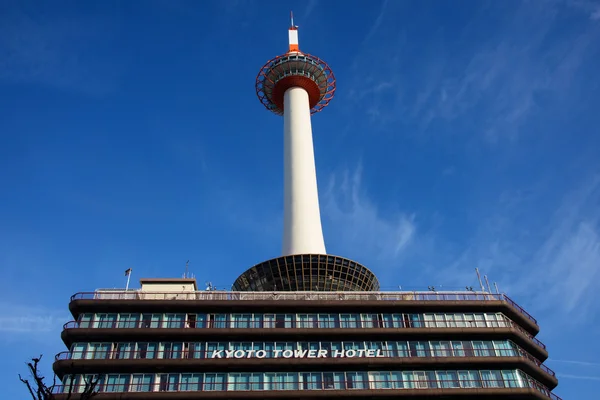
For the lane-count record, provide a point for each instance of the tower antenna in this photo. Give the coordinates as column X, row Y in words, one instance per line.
column 292, row 20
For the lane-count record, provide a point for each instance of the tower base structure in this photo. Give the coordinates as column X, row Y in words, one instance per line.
column 307, row 272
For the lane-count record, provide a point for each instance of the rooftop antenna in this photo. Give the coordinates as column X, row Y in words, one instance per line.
column 488, row 284
column 496, row 286
column 187, row 267
column 292, row 20
column 128, row 275
column 479, row 279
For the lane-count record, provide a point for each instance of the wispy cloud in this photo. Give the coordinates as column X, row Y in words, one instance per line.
column 553, row 264
column 490, row 88
column 358, row 228
column 584, row 363
column 582, row 377
column 32, row 321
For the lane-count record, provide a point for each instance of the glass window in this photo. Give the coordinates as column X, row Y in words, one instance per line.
column 492, row 379
column 504, row 348
column 78, row 350
column 448, row 379
column 214, row 381
column 141, row 382
column 105, row 320
column 441, row 349
column 349, row 320
column 469, row 379
column 482, row 349
column 124, row 350
column 128, row 321
column 85, row 320
column 175, row 320
column 116, row 383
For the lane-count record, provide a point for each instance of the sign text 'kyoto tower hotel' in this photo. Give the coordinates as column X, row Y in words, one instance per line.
column 306, row 324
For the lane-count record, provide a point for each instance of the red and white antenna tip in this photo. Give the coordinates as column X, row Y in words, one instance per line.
column 293, row 34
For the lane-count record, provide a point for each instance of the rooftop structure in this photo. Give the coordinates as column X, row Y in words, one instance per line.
column 304, row 325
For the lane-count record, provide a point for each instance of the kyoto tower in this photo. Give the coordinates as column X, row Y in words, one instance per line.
column 297, row 85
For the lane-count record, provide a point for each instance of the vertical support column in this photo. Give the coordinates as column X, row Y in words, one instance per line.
column 302, row 231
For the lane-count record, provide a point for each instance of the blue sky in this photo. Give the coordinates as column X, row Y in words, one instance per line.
column 462, row 135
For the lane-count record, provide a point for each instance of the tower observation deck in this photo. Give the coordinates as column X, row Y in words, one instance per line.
column 297, row 85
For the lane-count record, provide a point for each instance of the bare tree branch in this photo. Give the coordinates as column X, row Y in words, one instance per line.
column 40, row 391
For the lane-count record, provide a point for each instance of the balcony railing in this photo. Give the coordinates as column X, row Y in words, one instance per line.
column 299, row 324
column 187, row 353
column 107, row 294
column 464, row 384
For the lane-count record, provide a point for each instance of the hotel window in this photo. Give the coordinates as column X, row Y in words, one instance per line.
column 448, row 379
column 141, row 382
column 398, row 349
column 124, row 351
column 349, row 320
column 105, row 320
column 413, row 320
column 241, row 320
column 357, row 380
column 392, row 320
column 491, row 379
column 83, row 381
column 281, row 381
column 172, row 350
column 307, row 321
column 311, row 381
column 460, row 320
column 217, row 320
column 504, row 348
column 98, row 351
column 469, row 379
column 419, row 349
column 243, row 381
column 175, row 320
column 117, row 383
column 458, row 349
column 169, row 382
column 147, row 350
column 151, row 320
column 269, row 321
column 380, row 380
column 511, row 379
column 333, row 380
column 78, row 350
column 441, row 349
column 429, row 320
column 327, row 321
column 85, row 320
column 482, row 349
column 190, row 382
column 128, row 320
column 196, row 350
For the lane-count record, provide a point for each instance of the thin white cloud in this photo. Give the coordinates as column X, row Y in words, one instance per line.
column 27, row 320
column 584, row 363
column 358, row 228
column 552, row 264
column 582, row 377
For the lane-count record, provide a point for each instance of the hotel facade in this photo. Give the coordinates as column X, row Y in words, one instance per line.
column 168, row 340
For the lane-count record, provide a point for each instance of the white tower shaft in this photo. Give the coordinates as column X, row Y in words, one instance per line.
column 302, row 231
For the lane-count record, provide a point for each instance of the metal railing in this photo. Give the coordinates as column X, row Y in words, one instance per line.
column 324, row 384
column 318, row 296
column 300, row 324
column 187, row 353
